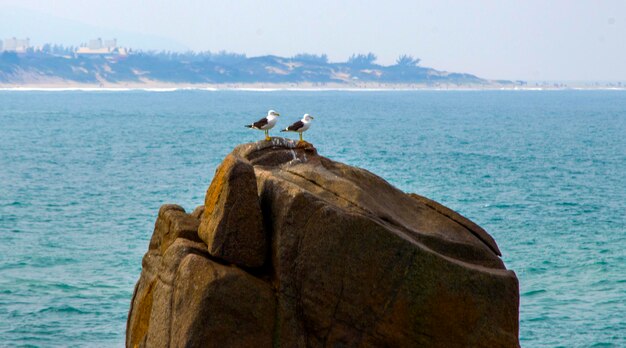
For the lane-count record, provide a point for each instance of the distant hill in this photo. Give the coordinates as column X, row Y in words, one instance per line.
column 54, row 63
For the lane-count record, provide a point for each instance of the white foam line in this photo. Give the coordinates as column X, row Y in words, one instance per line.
column 66, row 89
column 101, row 89
column 338, row 89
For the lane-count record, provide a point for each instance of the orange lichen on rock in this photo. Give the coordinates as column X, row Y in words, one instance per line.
column 232, row 225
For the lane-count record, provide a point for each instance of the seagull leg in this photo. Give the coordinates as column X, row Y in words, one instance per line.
column 267, row 135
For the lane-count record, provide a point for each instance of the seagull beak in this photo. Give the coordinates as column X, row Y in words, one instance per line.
column 277, row 114
column 312, row 117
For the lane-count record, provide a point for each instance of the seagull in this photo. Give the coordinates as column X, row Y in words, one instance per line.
column 300, row 126
column 266, row 123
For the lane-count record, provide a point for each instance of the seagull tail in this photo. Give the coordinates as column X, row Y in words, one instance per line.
column 284, row 130
column 248, row 126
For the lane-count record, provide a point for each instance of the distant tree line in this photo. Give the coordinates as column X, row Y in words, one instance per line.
column 217, row 67
column 224, row 57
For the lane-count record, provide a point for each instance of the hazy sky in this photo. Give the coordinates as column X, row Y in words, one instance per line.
column 529, row 40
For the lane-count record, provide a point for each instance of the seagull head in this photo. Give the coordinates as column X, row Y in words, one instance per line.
column 307, row 117
column 272, row 113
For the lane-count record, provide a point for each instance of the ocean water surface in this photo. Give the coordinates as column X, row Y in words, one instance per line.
column 82, row 175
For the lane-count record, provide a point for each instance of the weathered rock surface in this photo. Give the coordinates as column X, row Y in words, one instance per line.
column 321, row 255
column 232, row 224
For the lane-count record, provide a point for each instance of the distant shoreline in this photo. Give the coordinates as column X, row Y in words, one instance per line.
column 170, row 87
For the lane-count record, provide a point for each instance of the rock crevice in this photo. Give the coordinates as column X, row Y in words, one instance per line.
column 292, row 249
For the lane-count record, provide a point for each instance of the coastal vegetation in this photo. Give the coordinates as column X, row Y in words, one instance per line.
column 59, row 63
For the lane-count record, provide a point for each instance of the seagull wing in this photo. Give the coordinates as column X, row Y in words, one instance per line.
column 260, row 123
column 294, row 127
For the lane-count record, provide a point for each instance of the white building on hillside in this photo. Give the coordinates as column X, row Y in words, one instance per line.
column 110, row 43
column 102, row 47
column 16, row 45
column 95, row 44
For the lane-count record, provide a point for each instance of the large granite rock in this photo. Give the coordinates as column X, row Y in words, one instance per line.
column 345, row 260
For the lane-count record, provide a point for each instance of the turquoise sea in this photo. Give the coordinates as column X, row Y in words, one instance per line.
column 82, row 175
